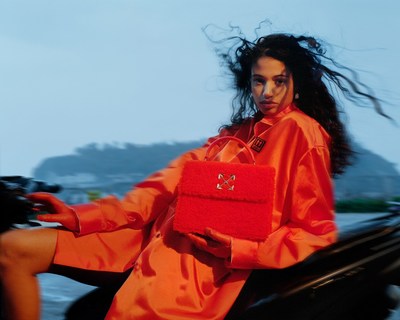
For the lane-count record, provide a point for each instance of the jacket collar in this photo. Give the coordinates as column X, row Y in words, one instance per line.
column 268, row 121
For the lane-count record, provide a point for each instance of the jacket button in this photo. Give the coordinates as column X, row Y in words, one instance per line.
column 136, row 266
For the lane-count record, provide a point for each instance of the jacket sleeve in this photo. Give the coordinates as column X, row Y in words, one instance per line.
column 141, row 205
column 309, row 225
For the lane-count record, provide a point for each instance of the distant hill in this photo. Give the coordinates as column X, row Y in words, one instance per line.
column 109, row 168
column 114, row 168
column 108, row 160
column 370, row 176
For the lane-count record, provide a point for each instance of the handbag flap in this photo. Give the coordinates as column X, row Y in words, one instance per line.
column 230, row 181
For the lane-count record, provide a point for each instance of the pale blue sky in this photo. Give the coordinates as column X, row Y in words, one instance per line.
column 74, row 72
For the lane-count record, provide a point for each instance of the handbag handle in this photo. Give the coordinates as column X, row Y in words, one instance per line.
column 215, row 142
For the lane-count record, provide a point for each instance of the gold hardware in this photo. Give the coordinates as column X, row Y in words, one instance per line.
column 226, row 181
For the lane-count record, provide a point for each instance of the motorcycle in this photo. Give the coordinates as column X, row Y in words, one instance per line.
column 355, row 278
column 16, row 209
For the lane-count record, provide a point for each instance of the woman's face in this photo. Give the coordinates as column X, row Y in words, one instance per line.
column 271, row 85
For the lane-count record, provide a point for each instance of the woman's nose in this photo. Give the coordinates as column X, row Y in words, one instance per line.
column 267, row 90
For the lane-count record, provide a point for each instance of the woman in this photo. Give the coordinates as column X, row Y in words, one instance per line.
column 285, row 112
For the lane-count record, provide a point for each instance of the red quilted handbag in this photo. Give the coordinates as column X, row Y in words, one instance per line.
column 232, row 198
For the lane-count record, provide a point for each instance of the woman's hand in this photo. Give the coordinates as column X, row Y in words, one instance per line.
column 214, row 242
column 58, row 210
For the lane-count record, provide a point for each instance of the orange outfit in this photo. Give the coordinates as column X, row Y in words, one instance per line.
column 170, row 278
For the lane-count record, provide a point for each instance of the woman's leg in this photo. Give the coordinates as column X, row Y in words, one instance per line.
column 24, row 254
column 102, row 259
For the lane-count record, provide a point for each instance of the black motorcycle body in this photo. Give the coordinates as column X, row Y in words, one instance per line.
column 354, row 278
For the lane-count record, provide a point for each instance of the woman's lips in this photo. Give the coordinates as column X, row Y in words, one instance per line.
column 267, row 104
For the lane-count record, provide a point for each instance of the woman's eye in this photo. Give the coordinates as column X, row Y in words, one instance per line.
column 280, row 82
column 258, row 81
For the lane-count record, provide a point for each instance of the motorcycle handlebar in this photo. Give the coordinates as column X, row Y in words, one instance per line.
column 29, row 185
column 15, row 206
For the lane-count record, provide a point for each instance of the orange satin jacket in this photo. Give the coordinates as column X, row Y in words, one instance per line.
column 171, row 279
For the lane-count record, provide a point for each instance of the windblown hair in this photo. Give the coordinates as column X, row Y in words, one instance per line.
column 305, row 58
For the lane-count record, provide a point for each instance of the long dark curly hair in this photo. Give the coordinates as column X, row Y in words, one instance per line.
column 313, row 81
